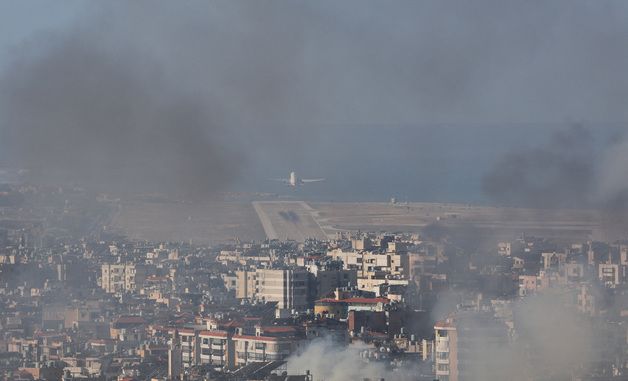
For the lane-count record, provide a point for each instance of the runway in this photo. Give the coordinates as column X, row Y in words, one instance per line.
column 265, row 220
column 219, row 221
column 493, row 221
column 293, row 220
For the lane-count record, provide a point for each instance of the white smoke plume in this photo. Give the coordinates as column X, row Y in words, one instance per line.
column 551, row 340
column 327, row 360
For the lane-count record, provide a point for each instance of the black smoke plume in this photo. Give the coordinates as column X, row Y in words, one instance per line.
column 559, row 174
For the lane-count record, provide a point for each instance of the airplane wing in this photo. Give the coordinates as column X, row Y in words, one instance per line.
column 285, row 181
column 312, row 180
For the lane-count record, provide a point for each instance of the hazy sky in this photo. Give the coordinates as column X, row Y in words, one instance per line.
column 437, row 90
column 21, row 20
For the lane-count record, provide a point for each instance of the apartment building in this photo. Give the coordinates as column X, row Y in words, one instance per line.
column 288, row 287
column 216, row 348
column 461, row 340
column 116, row 278
column 226, row 350
column 189, row 346
column 446, row 351
column 255, row 348
column 610, row 274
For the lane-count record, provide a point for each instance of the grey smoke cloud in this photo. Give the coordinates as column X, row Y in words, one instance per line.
column 327, row 360
column 76, row 108
column 575, row 168
column 560, row 173
column 551, row 339
column 250, row 82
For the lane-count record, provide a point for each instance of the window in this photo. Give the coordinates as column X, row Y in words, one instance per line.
column 255, row 356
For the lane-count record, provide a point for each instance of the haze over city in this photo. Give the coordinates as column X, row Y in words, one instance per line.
column 313, row 190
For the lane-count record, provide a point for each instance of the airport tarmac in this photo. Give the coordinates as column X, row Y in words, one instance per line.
column 412, row 217
column 197, row 222
column 288, row 220
column 219, row 221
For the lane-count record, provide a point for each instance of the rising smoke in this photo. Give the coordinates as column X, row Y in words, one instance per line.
column 551, row 339
column 326, row 360
column 188, row 95
column 151, row 97
column 78, row 108
column 575, row 168
column 559, row 174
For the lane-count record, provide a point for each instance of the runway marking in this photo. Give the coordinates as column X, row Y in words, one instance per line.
column 280, row 229
column 269, row 229
column 315, row 216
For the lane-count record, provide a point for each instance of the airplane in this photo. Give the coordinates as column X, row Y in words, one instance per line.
column 294, row 181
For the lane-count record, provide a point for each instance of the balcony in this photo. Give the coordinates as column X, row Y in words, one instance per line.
column 442, row 347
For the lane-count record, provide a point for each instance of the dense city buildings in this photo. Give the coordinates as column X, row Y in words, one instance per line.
column 92, row 303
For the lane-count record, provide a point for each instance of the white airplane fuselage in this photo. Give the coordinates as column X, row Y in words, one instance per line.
column 293, row 180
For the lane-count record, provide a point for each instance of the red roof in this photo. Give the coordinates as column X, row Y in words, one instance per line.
column 443, row 324
column 355, row 300
column 259, row 338
column 278, row 329
column 232, row 323
column 367, row 300
column 130, row 320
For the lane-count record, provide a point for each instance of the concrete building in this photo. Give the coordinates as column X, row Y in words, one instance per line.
column 573, row 272
column 289, row 288
column 225, row 350
column 350, row 259
column 553, row 260
column 245, row 284
column 504, row 249
column 446, row 351
column 325, row 280
column 116, row 278
column 217, row 348
column 188, row 343
column 339, row 308
column 175, row 364
column 112, row 278
column 460, row 341
column 256, row 348
column 610, row 274
column 529, row 284
column 361, row 243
